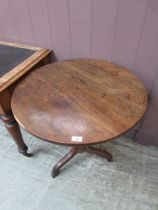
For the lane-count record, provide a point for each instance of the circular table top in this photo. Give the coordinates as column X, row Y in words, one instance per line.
column 79, row 102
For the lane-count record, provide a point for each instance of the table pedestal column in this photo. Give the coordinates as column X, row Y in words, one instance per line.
column 79, row 149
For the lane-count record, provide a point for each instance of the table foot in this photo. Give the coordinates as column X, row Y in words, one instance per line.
column 25, row 152
column 63, row 161
column 79, row 149
column 14, row 130
column 100, row 152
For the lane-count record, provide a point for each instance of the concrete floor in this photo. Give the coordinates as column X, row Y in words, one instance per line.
column 88, row 182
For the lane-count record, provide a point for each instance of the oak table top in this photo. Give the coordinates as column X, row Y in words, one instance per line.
column 79, row 102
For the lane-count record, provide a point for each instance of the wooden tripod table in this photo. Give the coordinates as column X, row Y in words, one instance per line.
column 79, row 103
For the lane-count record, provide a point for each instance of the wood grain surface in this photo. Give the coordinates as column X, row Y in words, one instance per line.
column 92, row 99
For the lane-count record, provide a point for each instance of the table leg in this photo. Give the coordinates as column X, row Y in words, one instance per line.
column 63, row 161
column 79, row 149
column 11, row 124
column 100, row 152
column 14, row 130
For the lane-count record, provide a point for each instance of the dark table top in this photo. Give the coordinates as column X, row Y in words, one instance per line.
column 11, row 56
column 79, row 102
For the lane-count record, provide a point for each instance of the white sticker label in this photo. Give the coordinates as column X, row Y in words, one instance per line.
column 77, row 138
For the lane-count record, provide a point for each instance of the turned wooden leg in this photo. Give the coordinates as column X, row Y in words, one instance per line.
column 100, row 152
column 9, row 120
column 63, row 161
column 14, row 130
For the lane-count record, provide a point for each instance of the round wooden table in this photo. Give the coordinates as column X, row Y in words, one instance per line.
column 79, row 103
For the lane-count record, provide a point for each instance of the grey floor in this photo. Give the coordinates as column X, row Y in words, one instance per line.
column 88, row 182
